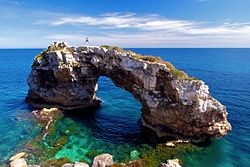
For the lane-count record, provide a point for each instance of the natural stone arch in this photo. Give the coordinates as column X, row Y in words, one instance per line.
column 172, row 105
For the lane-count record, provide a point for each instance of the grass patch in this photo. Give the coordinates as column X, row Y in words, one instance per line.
column 149, row 58
column 118, row 49
column 41, row 59
column 177, row 73
column 105, row 46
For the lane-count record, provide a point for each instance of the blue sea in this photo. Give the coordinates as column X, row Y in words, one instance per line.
column 115, row 126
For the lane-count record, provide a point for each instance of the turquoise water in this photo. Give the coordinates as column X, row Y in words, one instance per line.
column 115, row 126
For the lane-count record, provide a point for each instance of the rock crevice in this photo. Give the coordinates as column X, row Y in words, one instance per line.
column 66, row 77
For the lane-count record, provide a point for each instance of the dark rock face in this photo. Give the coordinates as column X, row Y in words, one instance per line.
column 66, row 77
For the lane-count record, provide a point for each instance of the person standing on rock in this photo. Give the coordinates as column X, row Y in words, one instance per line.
column 87, row 40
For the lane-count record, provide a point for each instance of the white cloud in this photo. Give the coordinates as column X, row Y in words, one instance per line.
column 132, row 30
column 154, row 23
column 152, row 39
column 129, row 20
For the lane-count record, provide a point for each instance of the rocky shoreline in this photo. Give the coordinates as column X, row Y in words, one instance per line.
column 102, row 160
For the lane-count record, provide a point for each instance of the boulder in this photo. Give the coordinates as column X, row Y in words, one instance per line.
column 170, row 144
column 19, row 162
column 171, row 163
column 103, row 160
column 76, row 164
column 68, row 165
column 17, row 156
column 80, row 164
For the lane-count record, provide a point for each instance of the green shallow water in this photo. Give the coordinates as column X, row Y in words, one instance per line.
column 82, row 143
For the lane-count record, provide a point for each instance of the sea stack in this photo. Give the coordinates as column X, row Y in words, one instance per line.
column 173, row 104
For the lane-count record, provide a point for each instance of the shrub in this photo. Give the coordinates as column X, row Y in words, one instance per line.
column 150, row 58
column 177, row 73
column 40, row 56
column 180, row 74
column 118, row 49
column 105, row 46
column 191, row 78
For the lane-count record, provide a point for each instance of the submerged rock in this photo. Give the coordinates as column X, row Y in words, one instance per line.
column 103, row 160
column 46, row 117
column 173, row 104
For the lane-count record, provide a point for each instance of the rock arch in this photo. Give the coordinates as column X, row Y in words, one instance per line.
column 66, row 77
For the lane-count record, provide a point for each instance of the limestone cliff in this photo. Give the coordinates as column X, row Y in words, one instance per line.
column 172, row 103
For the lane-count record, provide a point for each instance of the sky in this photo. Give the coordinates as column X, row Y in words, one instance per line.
column 125, row 23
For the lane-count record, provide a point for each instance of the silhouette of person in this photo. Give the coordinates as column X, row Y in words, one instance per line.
column 87, row 40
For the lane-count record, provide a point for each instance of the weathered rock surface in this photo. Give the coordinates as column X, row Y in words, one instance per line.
column 66, row 77
column 76, row 164
column 171, row 163
column 103, row 160
column 19, row 162
column 17, row 156
column 80, row 164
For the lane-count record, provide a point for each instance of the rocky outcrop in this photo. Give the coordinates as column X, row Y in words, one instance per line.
column 172, row 105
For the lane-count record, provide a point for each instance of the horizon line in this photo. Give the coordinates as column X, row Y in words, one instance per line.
column 144, row 47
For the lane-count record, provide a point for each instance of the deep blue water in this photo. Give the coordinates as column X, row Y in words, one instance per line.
column 116, row 124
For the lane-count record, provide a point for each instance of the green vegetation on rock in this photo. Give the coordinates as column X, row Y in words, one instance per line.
column 155, row 59
column 152, row 157
column 118, row 49
column 55, row 162
column 40, row 58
